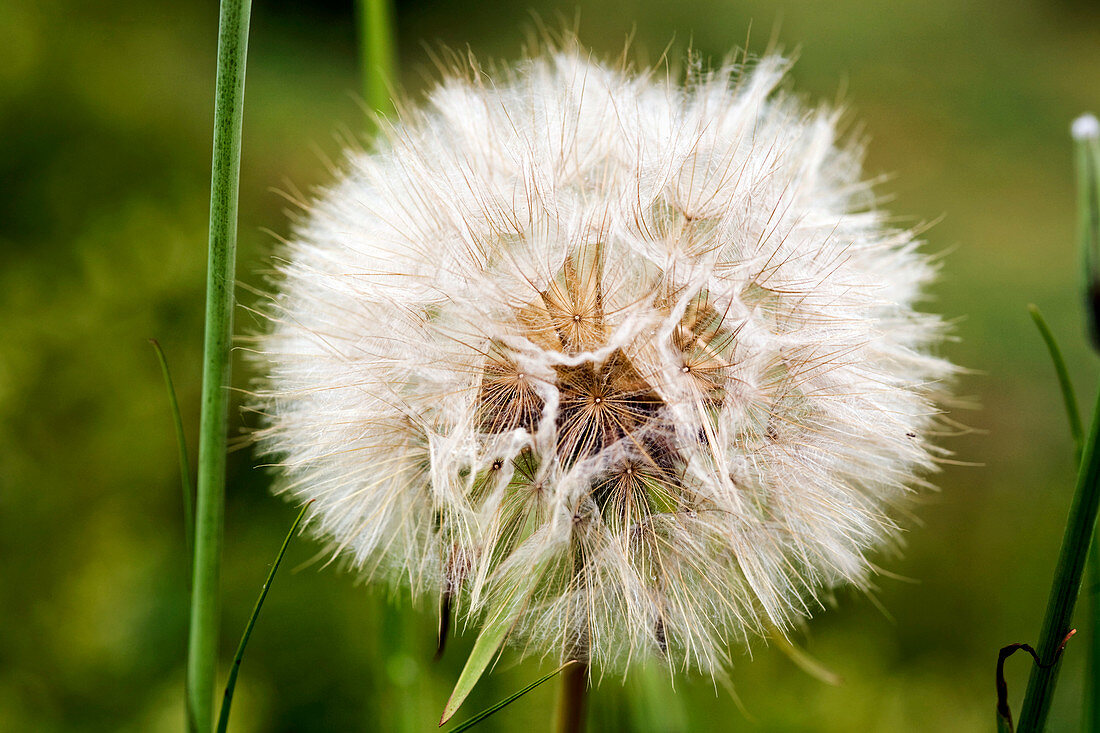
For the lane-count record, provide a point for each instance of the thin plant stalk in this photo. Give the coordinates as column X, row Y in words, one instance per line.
column 1091, row 717
column 1067, row 584
column 1086, row 134
column 221, row 263
column 573, row 700
column 376, row 53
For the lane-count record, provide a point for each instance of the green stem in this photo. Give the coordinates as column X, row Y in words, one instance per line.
column 1085, row 133
column 221, row 263
column 1067, row 583
column 376, row 52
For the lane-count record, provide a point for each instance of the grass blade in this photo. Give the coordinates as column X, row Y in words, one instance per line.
column 466, row 725
column 202, row 648
column 231, row 683
column 181, row 441
column 1069, row 396
column 488, row 643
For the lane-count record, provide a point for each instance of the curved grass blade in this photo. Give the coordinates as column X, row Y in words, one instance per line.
column 231, row 683
column 181, row 440
column 490, row 640
column 496, row 707
column 1069, row 396
column 485, row 649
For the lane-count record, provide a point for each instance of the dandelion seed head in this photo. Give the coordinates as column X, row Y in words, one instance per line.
column 633, row 361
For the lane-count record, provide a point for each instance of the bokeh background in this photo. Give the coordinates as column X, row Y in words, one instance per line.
column 105, row 119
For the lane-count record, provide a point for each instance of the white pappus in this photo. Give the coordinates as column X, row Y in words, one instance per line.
column 631, row 361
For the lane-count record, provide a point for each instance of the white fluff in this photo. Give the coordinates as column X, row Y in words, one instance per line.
column 1085, row 127
column 633, row 359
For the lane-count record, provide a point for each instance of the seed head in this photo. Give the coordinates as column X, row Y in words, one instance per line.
column 632, row 361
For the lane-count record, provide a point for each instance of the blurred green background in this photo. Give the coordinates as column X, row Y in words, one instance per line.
column 105, row 119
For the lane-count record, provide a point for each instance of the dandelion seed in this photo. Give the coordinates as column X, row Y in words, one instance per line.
column 639, row 357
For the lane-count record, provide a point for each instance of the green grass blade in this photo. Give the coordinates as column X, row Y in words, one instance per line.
column 466, row 725
column 187, row 482
column 202, row 648
column 488, row 643
column 496, row 629
column 230, row 685
column 1069, row 396
column 376, row 52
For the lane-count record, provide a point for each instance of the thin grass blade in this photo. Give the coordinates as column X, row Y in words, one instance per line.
column 1069, row 396
column 496, row 629
column 488, row 643
column 186, row 480
column 497, row 707
column 231, row 684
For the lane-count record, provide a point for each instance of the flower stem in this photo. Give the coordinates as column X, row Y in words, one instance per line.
column 1067, row 583
column 210, row 509
column 1086, row 134
column 376, row 52
column 572, row 703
